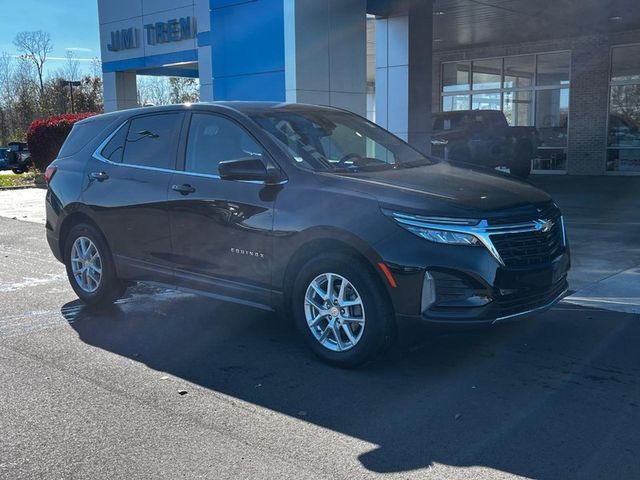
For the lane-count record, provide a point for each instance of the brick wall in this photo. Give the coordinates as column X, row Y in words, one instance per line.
column 588, row 101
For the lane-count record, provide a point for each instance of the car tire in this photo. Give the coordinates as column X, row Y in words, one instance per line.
column 361, row 285
column 90, row 267
column 521, row 167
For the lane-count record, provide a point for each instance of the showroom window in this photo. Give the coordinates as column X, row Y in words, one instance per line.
column 531, row 90
column 623, row 130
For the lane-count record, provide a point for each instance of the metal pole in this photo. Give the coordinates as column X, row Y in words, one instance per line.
column 71, row 90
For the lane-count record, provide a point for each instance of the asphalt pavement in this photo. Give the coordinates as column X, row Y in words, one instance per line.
column 166, row 384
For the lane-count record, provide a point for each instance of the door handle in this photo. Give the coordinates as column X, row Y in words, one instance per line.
column 100, row 176
column 184, row 189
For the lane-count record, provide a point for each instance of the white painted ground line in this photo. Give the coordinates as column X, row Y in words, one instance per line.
column 618, row 293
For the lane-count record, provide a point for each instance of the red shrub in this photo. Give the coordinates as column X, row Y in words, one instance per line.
column 45, row 137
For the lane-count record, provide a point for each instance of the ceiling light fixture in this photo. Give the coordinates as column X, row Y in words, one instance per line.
column 615, row 18
column 437, row 13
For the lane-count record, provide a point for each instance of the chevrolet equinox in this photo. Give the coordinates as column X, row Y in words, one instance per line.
column 305, row 209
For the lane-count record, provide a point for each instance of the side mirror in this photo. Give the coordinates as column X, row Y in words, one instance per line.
column 249, row 168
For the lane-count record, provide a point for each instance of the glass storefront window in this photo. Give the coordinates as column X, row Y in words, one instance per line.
column 625, row 63
column 550, row 159
column 624, row 116
column 518, row 108
column 552, row 115
column 485, row 101
column 623, row 160
column 531, row 90
column 553, row 69
column 623, row 134
column 519, row 71
column 487, row 74
column 455, row 76
column 455, row 102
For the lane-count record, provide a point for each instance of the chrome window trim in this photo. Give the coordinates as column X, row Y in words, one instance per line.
column 97, row 154
column 480, row 230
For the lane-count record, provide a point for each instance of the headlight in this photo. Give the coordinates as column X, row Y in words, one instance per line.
column 443, row 236
column 450, row 231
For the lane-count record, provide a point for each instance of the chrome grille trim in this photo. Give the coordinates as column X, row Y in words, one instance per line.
column 481, row 229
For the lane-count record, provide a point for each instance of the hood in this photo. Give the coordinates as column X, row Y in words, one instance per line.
column 444, row 189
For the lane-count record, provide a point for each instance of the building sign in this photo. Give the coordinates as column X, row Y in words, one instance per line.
column 124, row 39
column 171, row 31
column 160, row 32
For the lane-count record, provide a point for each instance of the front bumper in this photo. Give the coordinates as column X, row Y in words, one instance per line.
column 471, row 287
column 499, row 310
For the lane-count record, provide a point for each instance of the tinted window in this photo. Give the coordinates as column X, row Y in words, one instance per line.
column 213, row 139
column 151, row 140
column 113, row 150
column 82, row 133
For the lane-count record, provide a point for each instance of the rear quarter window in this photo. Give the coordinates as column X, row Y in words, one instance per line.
column 81, row 134
column 114, row 149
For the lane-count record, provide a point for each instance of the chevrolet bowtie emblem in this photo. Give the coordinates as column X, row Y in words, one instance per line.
column 544, row 226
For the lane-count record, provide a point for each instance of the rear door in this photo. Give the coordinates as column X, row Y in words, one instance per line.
column 127, row 192
column 221, row 230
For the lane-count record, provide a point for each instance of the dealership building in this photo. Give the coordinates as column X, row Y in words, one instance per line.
column 571, row 68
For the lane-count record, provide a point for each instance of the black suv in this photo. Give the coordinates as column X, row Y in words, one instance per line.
column 308, row 210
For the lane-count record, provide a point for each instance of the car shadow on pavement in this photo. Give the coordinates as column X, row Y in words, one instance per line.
column 555, row 397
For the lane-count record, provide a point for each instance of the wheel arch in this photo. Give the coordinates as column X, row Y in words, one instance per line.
column 336, row 242
column 75, row 218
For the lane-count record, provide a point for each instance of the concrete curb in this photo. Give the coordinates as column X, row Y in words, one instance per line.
column 21, row 187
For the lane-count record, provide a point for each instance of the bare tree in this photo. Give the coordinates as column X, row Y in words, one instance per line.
column 71, row 70
column 35, row 47
column 6, row 73
column 96, row 67
column 153, row 90
column 184, row 89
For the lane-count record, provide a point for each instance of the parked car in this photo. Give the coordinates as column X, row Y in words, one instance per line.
column 16, row 157
column 310, row 211
column 3, row 157
column 484, row 138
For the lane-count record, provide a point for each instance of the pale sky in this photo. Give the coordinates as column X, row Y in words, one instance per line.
column 73, row 24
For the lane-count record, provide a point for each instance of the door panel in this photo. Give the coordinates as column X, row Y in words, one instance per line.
column 127, row 193
column 222, row 236
column 221, row 230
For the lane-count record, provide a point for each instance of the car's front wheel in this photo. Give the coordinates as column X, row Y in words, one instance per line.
column 342, row 310
column 90, row 266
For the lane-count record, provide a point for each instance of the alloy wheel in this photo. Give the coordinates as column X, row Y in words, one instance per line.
column 86, row 264
column 334, row 312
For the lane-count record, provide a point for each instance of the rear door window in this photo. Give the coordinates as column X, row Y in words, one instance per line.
column 151, row 140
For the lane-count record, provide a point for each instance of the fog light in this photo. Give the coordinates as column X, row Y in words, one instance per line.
column 428, row 292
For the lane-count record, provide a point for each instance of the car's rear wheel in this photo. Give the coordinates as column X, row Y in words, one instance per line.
column 90, row 266
column 521, row 166
column 341, row 310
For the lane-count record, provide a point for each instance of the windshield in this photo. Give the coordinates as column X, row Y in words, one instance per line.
column 324, row 140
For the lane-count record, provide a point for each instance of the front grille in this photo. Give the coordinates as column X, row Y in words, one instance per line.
column 531, row 248
column 526, row 300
